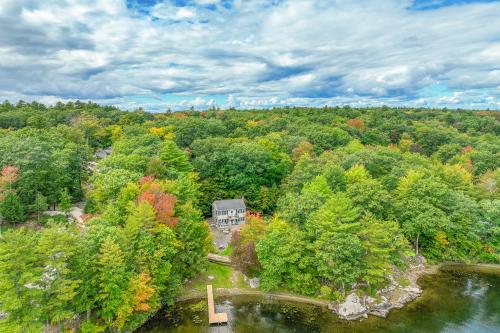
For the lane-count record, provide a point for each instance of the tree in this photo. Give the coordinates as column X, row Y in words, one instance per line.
column 65, row 201
column 244, row 242
column 338, row 258
column 367, row 193
column 8, row 177
column 21, row 271
column 285, row 261
column 337, row 214
column 137, row 299
column 420, row 207
column 383, row 245
column 58, row 246
column 113, row 279
column 302, row 148
column 297, row 208
column 11, row 208
column 39, row 205
column 174, row 159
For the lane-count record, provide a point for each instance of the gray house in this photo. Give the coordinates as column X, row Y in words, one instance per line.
column 226, row 213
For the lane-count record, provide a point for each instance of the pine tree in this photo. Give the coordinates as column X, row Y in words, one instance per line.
column 11, row 208
column 112, row 279
column 382, row 242
column 58, row 246
column 21, row 271
column 175, row 160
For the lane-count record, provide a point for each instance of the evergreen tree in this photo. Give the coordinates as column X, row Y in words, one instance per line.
column 11, row 208
column 174, row 159
column 113, row 279
column 59, row 288
column 21, row 270
column 383, row 244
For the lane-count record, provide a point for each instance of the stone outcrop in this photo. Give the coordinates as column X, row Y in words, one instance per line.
column 402, row 288
column 254, row 283
column 352, row 308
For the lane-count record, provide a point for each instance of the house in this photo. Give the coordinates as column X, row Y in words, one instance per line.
column 227, row 213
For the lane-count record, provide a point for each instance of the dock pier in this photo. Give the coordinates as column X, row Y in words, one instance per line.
column 214, row 318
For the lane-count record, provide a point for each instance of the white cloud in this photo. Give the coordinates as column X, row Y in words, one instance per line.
column 256, row 52
column 207, row 2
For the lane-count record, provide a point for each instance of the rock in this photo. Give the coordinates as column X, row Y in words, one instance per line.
column 368, row 300
column 413, row 290
column 351, row 308
column 254, row 283
column 381, row 309
column 210, row 277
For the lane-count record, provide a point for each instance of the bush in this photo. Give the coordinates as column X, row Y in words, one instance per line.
column 57, row 219
column 325, row 292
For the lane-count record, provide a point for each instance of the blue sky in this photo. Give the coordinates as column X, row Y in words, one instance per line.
column 177, row 54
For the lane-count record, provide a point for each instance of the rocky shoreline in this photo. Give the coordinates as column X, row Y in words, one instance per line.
column 354, row 307
column 394, row 296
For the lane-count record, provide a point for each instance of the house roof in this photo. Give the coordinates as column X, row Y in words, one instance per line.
column 229, row 204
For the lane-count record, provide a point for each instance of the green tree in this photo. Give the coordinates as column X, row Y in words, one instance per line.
column 174, row 159
column 39, row 205
column 383, row 245
column 113, row 279
column 21, row 272
column 65, row 201
column 12, row 209
column 58, row 245
column 285, row 260
column 420, row 208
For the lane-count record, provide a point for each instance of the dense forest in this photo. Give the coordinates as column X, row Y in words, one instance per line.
column 338, row 197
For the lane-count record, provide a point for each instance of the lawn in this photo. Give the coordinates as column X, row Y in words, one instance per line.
column 223, row 277
column 227, row 251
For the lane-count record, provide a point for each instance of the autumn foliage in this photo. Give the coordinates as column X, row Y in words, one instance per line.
column 8, row 176
column 356, row 123
column 163, row 203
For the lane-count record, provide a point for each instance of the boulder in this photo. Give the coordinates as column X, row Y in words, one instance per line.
column 351, row 308
column 254, row 283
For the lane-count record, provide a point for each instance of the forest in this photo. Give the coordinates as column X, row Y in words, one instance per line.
column 339, row 197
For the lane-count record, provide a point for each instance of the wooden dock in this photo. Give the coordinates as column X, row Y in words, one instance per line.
column 214, row 318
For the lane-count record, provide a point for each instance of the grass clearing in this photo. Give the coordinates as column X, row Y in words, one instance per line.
column 223, row 277
column 227, row 251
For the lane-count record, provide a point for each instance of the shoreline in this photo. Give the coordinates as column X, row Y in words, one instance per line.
column 230, row 292
column 406, row 294
column 280, row 296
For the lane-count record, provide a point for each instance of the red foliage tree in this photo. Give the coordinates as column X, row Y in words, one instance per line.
column 163, row 203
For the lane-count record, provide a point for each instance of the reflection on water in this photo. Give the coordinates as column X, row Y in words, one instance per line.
column 456, row 300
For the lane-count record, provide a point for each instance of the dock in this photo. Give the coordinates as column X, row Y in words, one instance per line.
column 214, row 318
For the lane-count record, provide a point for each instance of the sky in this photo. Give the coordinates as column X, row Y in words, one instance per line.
column 178, row 54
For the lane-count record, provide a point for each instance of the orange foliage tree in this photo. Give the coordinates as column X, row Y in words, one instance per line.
column 163, row 203
column 356, row 123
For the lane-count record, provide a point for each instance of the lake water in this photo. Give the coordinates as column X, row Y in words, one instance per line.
column 458, row 299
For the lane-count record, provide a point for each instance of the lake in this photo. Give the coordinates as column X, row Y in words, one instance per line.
column 457, row 299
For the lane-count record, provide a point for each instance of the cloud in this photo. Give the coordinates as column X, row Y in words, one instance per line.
column 254, row 53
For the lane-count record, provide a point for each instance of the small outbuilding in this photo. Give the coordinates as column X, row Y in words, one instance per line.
column 226, row 213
